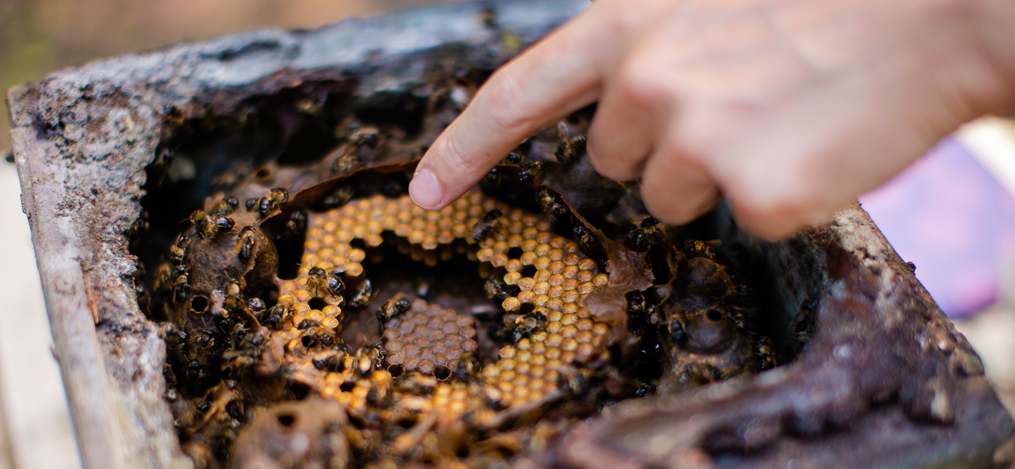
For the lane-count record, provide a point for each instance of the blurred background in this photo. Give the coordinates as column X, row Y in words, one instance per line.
column 952, row 213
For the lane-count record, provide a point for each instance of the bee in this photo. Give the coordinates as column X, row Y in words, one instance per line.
column 677, row 332
column 527, row 324
column 337, row 199
column 256, row 306
column 765, row 353
column 700, row 374
column 162, row 277
column 331, row 283
column 367, row 359
column 498, row 290
column 641, row 237
column 467, row 368
column 251, row 204
column 197, row 217
column 419, row 384
column 366, row 135
column 314, row 335
column 393, row 307
column 183, row 240
column 362, row 297
column 221, row 208
column 223, row 224
column 209, row 225
column 330, row 360
column 245, row 246
column 571, row 149
column 377, row 396
column 204, row 224
column 334, row 285
column 139, row 228
column 295, row 224
column 233, row 300
column 180, row 280
column 554, row 206
column 346, row 163
column 494, row 398
column 488, row 225
column 275, row 316
column 317, row 273
column 176, row 254
column 233, row 361
column 574, row 380
column 590, row 245
column 275, row 197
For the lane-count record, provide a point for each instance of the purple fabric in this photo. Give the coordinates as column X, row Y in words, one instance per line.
column 950, row 217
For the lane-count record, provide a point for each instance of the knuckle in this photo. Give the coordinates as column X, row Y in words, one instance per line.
column 677, row 205
column 642, row 85
column 615, row 167
column 703, row 130
column 456, row 160
column 668, row 211
column 505, row 105
column 769, row 207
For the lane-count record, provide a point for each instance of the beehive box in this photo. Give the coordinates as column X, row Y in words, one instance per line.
column 884, row 371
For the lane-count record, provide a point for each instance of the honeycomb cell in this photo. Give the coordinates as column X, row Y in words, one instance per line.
column 428, row 337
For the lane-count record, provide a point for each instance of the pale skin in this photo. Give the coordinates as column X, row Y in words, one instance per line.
column 787, row 108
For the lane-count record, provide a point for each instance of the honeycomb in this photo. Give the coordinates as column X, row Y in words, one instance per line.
column 326, row 298
column 429, row 337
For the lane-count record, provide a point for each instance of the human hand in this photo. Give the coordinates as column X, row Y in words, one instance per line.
column 788, row 108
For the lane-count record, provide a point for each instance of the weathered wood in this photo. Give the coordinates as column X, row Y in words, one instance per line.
column 83, row 137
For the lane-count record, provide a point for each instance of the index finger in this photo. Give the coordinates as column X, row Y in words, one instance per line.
column 553, row 79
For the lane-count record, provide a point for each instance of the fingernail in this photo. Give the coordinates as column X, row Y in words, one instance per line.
column 425, row 190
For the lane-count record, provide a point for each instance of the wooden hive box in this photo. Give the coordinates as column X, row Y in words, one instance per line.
column 885, row 370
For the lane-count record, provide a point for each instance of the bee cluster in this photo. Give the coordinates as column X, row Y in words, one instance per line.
column 558, row 319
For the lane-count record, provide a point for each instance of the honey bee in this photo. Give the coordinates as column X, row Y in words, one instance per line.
column 223, row 224
column 314, row 335
column 210, row 225
column 487, row 226
column 362, row 297
column 331, row 283
column 641, row 237
column 571, row 150
column 233, row 299
column 551, row 205
column 419, row 384
column 256, row 306
column 275, row 316
column 498, row 290
column 366, row 359
column 393, row 307
column 269, row 203
column 245, row 246
column 330, row 360
column 527, row 324
column 467, row 368
column 295, row 224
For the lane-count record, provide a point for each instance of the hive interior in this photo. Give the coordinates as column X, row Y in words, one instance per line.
column 306, row 294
